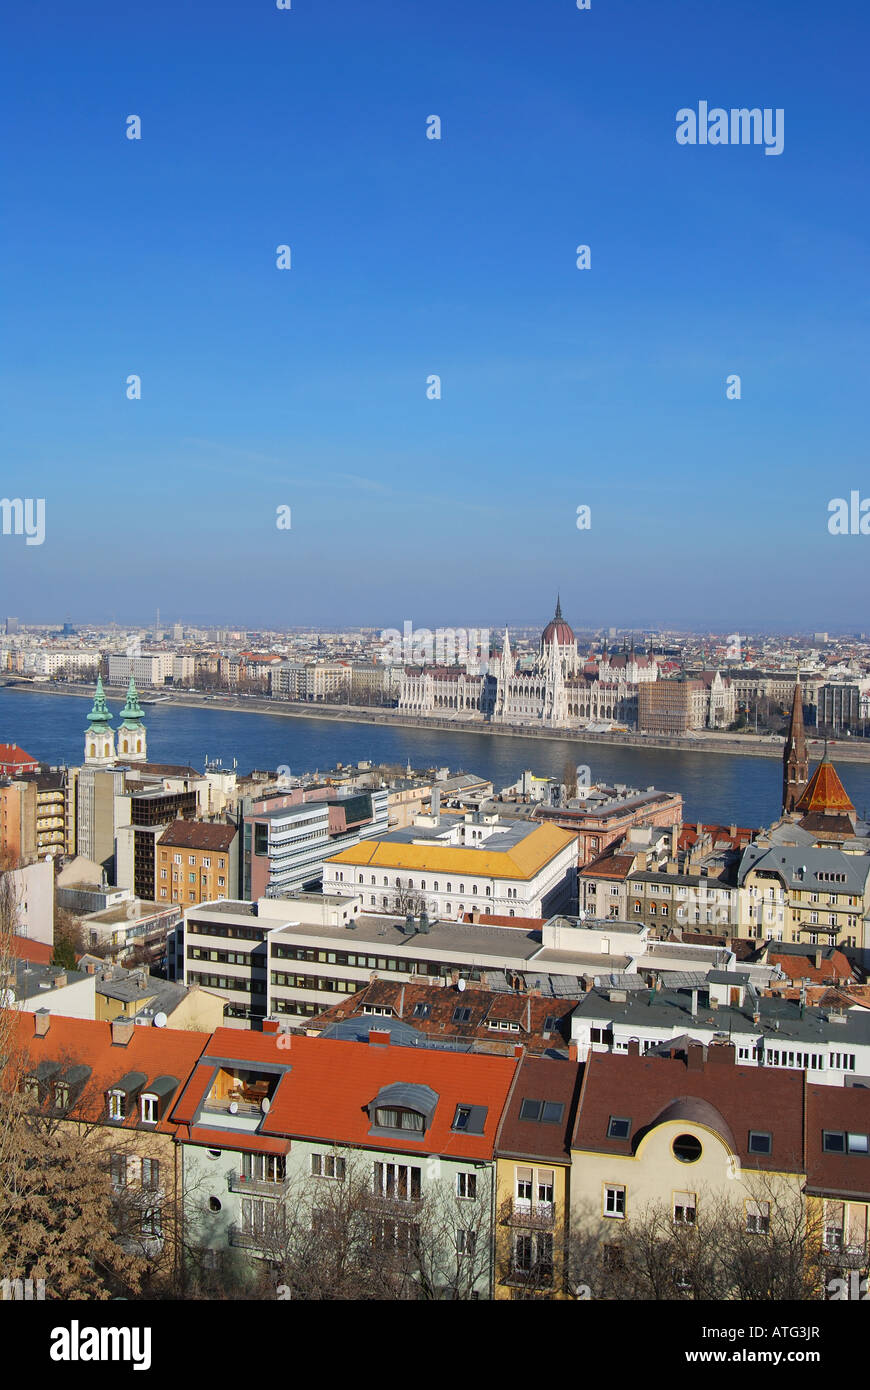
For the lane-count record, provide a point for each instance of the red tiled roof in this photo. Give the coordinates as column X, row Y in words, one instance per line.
column 824, row 791
column 492, row 919
column 13, row 758
column 614, row 866
column 540, row 1079
column 197, row 834
column 331, row 1082
column 836, row 967
column 152, row 1051
column 37, row 951
column 646, row 1089
column 843, row 1109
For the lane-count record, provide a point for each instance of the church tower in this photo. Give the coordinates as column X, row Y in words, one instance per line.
column 99, row 735
column 131, row 735
column 795, row 760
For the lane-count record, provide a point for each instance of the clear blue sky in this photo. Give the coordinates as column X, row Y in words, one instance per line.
column 411, row 257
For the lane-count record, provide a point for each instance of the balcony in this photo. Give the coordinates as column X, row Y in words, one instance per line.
column 269, row 1239
column 259, row 1187
column 540, row 1215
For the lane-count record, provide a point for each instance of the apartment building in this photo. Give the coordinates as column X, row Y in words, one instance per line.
column 672, row 707
column 149, row 669
column 830, row 1043
column 287, row 837
column 824, row 893
column 266, row 1130
column 196, row 861
column 605, row 815
column 454, row 865
column 682, row 1134
column 533, row 1181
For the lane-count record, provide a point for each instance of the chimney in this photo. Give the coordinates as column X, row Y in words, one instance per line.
column 633, row 1047
column 379, row 1037
column 732, row 831
column 42, row 1020
column 60, row 980
column 723, row 1053
column 695, row 1057
column 573, row 1052
column 122, row 1031
column 817, row 958
column 91, row 967
column 270, row 1025
column 519, row 1050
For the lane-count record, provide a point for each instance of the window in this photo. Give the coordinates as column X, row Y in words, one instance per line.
column 119, row 1170
column 684, row 1208
column 148, row 1111
column 857, row 1143
column 150, row 1223
column 465, row 1242
column 466, row 1185
column 176, row 858
column 760, row 1142
column 328, row 1166
column 548, row 1112
column 834, row 1225
column 191, row 859
column 422, row 1010
column 116, row 1105
column 687, row 1148
column 150, row 1174
column 833, row 1143
column 758, row 1218
column 398, row 1182
column 461, row 1015
column 614, row 1201
column 392, row 1118
column 618, row 1128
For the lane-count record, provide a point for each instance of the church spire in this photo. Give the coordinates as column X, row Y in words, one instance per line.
column 795, row 760
column 558, row 614
column 100, row 716
column 132, row 713
column 131, row 735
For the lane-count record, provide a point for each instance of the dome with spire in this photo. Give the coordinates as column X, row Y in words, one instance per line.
column 557, row 630
column 100, row 716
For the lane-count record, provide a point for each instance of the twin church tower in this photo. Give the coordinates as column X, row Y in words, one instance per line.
column 100, row 736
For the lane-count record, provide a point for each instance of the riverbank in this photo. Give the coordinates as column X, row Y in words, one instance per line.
column 747, row 745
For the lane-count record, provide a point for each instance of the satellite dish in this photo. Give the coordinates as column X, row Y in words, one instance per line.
column 160, row 1020
column 460, row 985
column 264, row 1105
column 234, row 1107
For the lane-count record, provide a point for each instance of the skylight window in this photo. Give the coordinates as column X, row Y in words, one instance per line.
column 461, row 1015
column 618, row 1128
column 548, row 1112
column 760, row 1142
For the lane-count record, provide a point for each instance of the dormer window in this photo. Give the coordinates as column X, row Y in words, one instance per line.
column 403, row 1109
column 148, row 1109
column 116, row 1105
column 400, row 1119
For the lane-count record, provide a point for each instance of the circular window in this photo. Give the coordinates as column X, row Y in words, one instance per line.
column 687, row 1148
column 214, row 1153
column 214, row 1204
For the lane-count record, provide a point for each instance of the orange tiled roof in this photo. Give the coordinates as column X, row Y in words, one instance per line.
column 332, row 1081
column 152, row 1051
column 37, row 951
column 825, row 791
column 522, row 861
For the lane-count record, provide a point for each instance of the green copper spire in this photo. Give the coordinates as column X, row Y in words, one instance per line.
column 132, row 713
column 100, row 716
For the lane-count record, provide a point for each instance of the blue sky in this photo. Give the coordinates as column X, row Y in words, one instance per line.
column 411, row 257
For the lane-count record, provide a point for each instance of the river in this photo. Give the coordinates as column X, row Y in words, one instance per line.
column 716, row 787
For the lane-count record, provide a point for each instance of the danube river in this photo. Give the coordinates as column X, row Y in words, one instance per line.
column 715, row 787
